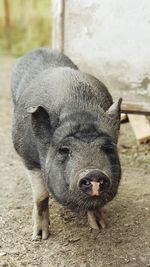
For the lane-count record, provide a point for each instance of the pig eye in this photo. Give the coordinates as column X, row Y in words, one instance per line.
column 64, row 151
column 108, row 148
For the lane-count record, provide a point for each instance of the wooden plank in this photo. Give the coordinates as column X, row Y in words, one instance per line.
column 141, row 127
column 135, row 108
column 123, row 117
column 7, row 23
column 58, row 8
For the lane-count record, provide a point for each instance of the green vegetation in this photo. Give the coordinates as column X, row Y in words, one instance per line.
column 30, row 26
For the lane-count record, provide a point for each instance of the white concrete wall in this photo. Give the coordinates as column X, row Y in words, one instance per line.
column 111, row 39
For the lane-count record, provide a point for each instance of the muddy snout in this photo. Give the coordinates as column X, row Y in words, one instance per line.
column 94, row 182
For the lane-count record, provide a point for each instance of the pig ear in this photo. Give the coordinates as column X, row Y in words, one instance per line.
column 115, row 110
column 40, row 121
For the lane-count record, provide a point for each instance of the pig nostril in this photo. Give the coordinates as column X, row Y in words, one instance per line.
column 104, row 183
column 84, row 183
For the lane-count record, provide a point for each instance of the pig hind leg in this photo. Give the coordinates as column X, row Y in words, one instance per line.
column 40, row 208
column 95, row 219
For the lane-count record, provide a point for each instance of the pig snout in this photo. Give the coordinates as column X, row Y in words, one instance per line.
column 94, row 182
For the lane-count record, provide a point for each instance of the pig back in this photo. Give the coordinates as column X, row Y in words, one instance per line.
column 29, row 66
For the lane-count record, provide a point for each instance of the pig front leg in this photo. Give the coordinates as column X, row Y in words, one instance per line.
column 40, row 208
column 95, row 219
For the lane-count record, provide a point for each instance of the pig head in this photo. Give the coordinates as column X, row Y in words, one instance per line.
column 81, row 162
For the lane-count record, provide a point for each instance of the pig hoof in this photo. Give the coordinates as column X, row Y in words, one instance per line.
column 95, row 220
column 40, row 234
column 92, row 220
column 41, row 220
column 102, row 223
column 36, row 237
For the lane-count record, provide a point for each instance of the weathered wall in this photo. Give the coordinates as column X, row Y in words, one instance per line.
column 111, row 39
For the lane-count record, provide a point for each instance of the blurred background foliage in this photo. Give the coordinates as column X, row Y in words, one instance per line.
column 29, row 26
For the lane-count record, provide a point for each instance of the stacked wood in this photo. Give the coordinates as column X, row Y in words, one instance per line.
column 141, row 127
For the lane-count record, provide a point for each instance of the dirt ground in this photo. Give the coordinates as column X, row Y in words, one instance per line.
column 125, row 242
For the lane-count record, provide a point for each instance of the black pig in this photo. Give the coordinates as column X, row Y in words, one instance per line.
column 65, row 128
